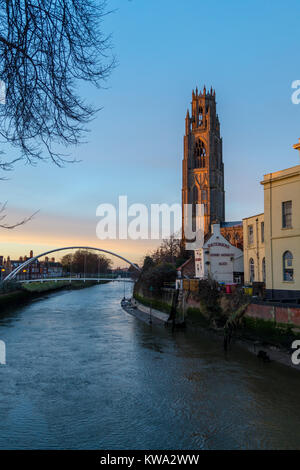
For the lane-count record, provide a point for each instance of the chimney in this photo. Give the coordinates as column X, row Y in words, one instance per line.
column 31, row 254
column 46, row 259
column 215, row 228
column 53, row 260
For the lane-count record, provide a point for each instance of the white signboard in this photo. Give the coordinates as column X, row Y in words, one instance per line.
column 198, row 264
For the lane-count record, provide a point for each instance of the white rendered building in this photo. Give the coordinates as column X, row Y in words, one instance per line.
column 218, row 259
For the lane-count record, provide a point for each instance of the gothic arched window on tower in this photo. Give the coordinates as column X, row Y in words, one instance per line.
column 194, row 207
column 200, row 117
column 199, row 154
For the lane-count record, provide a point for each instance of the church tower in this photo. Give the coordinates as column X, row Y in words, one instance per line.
column 202, row 166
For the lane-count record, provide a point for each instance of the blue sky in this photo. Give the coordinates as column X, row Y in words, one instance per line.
column 248, row 51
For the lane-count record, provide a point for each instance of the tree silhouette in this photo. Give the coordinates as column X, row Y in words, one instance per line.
column 47, row 48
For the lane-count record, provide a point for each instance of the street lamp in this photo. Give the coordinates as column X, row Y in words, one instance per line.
column 150, row 318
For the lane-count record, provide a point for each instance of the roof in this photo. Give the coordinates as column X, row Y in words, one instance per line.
column 231, row 224
column 255, row 215
column 278, row 175
column 184, row 264
column 207, row 237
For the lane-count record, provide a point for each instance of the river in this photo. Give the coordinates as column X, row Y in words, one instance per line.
column 83, row 374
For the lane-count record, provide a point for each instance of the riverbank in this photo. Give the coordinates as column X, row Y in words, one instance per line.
column 35, row 289
column 145, row 313
column 275, row 353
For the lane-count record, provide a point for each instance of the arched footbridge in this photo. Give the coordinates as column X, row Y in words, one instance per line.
column 29, row 261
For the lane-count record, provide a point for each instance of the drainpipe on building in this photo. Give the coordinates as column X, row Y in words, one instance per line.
column 271, row 238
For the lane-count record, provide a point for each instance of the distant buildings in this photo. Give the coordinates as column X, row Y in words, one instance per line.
column 48, row 268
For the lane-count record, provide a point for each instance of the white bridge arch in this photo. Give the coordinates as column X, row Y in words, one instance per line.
column 13, row 274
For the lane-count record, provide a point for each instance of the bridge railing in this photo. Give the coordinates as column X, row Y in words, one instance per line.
column 74, row 279
column 96, row 275
column 23, row 276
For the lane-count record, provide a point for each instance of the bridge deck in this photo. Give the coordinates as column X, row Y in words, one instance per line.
column 71, row 279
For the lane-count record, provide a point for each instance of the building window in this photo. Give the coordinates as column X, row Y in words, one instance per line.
column 250, row 234
column 262, row 231
column 199, row 154
column 251, row 270
column 288, row 271
column 287, row 214
column 200, row 121
column 263, row 268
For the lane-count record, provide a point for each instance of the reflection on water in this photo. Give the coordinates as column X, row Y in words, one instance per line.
column 81, row 373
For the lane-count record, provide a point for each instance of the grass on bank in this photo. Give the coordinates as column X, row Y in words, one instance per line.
column 154, row 303
column 44, row 286
column 38, row 287
column 268, row 331
column 25, row 292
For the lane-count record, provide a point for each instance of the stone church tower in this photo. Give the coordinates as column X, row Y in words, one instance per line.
column 202, row 166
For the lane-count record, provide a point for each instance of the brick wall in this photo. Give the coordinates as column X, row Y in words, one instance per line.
column 280, row 314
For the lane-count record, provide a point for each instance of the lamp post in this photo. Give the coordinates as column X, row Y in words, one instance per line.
column 70, row 268
column 84, row 267
column 150, row 318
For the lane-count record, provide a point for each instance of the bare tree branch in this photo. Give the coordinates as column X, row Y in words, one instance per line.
column 46, row 48
column 3, row 215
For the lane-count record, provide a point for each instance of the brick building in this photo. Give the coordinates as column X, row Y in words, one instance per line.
column 36, row 270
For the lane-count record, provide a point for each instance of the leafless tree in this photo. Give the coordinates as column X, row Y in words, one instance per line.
column 17, row 224
column 169, row 250
column 46, row 48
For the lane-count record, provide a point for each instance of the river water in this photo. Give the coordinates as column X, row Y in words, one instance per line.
column 83, row 374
